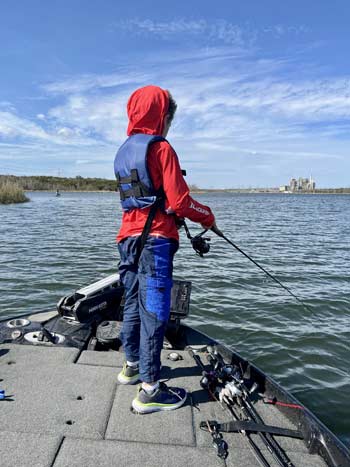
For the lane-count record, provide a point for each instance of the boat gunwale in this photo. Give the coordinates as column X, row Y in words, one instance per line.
column 306, row 421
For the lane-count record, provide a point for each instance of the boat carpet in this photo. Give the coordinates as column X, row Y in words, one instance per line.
column 90, row 357
column 83, row 453
column 28, row 449
column 30, row 355
column 53, row 398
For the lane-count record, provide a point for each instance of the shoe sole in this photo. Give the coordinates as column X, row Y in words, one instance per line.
column 154, row 407
column 125, row 380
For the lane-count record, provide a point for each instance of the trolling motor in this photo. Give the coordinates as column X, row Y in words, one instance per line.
column 199, row 243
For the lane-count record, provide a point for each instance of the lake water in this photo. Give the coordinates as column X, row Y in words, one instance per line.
column 51, row 246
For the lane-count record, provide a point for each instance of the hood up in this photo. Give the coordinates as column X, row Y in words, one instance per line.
column 147, row 108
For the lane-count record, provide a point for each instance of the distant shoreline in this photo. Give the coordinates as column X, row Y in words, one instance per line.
column 100, row 185
column 203, row 192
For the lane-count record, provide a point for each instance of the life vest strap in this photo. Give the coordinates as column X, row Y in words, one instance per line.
column 137, row 190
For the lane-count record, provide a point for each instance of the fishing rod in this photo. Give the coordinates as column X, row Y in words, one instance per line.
column 220, row 234
column 201, row 246
column 236, row 390
column 225, row 383
column 209, row 381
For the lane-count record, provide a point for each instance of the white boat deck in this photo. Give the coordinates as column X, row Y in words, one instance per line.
column 67, row 410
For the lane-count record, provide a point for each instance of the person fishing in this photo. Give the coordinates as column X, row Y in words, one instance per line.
column 153, row 196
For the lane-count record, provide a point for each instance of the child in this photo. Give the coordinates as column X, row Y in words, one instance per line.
column 150, row 180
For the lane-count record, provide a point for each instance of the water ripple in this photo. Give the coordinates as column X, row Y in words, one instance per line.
column 51, row 246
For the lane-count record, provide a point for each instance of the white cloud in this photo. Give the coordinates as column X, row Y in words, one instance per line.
column 219, row 30
column 11, row 126
column 67, row 132
column 82, row 161
column 242, row 101
column 279, row 30
column 87, row 82
column 172, row 27
column 102, row 116
column 263, row 112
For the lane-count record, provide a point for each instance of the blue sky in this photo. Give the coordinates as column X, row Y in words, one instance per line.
column 263, row 87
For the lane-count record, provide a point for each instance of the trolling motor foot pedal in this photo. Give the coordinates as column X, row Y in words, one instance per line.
column 107, row 334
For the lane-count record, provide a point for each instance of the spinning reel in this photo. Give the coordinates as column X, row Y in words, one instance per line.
column 199, row 243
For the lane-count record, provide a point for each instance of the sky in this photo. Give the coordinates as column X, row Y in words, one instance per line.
column 262, row 87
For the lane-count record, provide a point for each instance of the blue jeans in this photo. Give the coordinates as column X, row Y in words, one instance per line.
column 147, row 300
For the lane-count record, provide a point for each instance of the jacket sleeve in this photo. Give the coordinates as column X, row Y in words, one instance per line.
column 177, row 191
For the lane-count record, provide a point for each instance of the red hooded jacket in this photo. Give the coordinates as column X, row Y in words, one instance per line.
column 147, row 108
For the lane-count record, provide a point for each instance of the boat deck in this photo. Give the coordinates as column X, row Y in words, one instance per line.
column 67, row 410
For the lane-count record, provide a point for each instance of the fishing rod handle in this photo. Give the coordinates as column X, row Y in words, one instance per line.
column 197, row 359
column 272, row 445
column 216, row 230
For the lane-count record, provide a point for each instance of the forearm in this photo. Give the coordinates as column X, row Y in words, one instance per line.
column 177, row 192
column 195, row 211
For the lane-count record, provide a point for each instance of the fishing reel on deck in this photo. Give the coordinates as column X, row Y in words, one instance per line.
column 225, row 381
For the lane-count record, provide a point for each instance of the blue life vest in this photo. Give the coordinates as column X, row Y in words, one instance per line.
column 130, row 168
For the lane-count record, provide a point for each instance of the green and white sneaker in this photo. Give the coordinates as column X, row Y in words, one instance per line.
column 129, row 374
column 163, row 398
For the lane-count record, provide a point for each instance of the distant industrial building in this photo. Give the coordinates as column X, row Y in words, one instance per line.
column 299, row 185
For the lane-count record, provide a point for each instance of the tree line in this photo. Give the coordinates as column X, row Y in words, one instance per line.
column 78, row 183
column 48, row 183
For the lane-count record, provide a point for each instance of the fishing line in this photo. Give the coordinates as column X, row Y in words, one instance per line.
column 220, row 234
